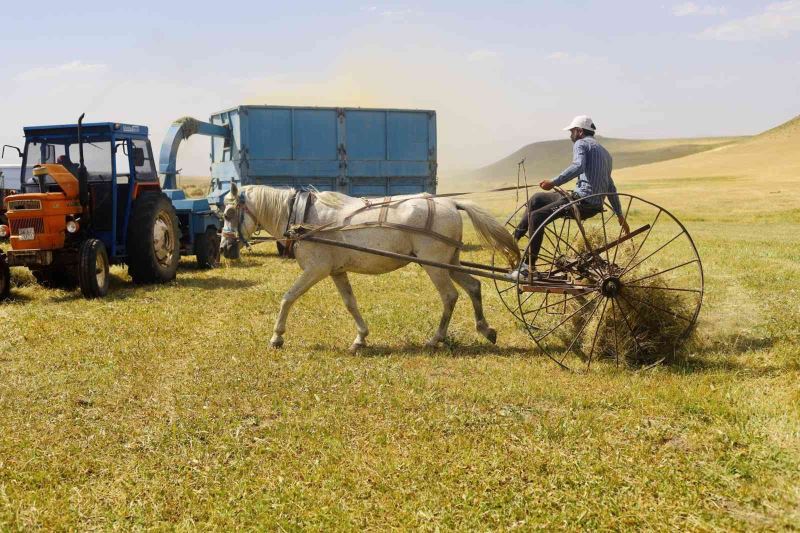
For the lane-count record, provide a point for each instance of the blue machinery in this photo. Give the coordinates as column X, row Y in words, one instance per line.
column 360, row 152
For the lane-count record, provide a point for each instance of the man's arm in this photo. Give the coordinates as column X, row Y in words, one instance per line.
column 576, row 168
column 613, row 198
column 615, row 205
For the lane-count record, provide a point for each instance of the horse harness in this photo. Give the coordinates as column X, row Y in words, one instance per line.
column 301, row 202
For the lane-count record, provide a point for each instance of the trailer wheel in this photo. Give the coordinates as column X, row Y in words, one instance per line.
column 93, row 269
column 51, row 278
column 283, row 251
column 153, row 240
column 206, row 247
column 5, row 278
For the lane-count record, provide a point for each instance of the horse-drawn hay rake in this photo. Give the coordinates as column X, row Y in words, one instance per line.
column 601, row 293
column 595, row 292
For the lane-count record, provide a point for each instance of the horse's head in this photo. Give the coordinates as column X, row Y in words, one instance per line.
column 239, row 223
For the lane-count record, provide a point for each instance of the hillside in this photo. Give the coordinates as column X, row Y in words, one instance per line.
column 546, row 159
column 758, row 171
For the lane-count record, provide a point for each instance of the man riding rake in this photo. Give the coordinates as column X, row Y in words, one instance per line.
column 592, row 166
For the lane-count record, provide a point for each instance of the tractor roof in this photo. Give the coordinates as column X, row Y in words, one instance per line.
column 94, row 129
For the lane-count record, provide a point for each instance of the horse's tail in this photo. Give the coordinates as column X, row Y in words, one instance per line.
column 491, row 232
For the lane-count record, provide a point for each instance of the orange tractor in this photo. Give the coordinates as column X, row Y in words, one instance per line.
column 72, row 221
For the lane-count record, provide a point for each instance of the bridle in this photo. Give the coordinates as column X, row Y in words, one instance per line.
column 241, row 212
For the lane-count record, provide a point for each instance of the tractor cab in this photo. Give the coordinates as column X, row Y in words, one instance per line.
column 118, row 164
column 90, row 197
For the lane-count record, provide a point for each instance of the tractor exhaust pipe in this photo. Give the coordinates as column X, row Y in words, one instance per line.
column 83, row 174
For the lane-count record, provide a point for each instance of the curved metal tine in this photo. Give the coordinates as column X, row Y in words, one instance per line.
column 554, row 245
column 558, row 246
column 616, row 338
column 599, row 323
column 665, row 271
column 570, row 316
column 503, row 291
column 580, row 332
column 589, row 248
column 644, row 240
column 619, row 235
column 654, row 253
column 577, row 253
column 561, row 302
column 654, row 287
column 630, row 328
column 525, row 301
column 605, row 237
column 689, row 320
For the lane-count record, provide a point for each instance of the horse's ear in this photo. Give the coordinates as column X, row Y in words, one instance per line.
column 234, row 190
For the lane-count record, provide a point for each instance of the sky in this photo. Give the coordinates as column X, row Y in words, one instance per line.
column 499, row 74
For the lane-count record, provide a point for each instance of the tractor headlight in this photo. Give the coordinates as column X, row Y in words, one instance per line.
column 4, row 232
column 73, row 226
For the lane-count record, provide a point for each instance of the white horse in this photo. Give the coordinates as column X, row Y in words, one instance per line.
column 253, row 207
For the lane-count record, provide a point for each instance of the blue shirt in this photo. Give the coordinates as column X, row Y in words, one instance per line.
column 591, row 164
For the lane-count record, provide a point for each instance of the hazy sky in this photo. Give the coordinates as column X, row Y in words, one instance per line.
column 499, row 74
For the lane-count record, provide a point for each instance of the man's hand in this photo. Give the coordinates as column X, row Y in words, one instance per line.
column 546, row 185
column 624, row 224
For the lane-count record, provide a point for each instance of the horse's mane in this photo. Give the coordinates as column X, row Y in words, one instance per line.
column 334, row 200
column 269, row 204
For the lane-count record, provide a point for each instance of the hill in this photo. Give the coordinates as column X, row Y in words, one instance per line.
column 758, row 171
column 546, row 159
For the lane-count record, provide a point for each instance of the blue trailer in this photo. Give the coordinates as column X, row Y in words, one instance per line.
column 360, row 152
column 357, row 151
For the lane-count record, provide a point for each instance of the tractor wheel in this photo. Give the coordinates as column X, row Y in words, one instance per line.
column 93, row 269
column 153, row 240
column 5, row 278
column 206, row 248
column 55, row 279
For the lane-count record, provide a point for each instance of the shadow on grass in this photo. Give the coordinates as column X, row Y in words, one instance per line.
column 215, row 283
column 723, row 353
column 455, row 351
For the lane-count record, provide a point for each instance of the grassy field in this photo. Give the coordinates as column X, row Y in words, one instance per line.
column 164, row 407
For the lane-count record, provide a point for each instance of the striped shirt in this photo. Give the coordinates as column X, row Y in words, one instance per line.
column 591, row 164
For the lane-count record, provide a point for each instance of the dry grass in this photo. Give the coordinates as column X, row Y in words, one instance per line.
column 164, row 408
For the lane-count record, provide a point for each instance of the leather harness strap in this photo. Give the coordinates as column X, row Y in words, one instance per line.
column 382, row 221
column 431, row 214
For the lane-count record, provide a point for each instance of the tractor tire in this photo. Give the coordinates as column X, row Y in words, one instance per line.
column 5, row 278
column 55, row 279
column 206, row 248
column 93, row 269
column 153, row 240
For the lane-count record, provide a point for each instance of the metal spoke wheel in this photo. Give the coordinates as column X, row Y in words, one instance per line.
column 601, row 294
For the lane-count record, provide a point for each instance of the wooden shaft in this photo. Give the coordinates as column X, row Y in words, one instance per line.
column 484, row 267
column 408, row 258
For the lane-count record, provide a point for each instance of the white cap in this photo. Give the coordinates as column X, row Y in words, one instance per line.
column 583, row 122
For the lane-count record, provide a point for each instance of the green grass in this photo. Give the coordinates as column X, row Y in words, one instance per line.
column 163, row 407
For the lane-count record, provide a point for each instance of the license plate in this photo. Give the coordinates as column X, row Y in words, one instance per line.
column 26, row 234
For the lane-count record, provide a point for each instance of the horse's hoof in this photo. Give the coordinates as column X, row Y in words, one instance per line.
column 432, row 344
column 491, row 334
column 276, row 343
column 357, row 347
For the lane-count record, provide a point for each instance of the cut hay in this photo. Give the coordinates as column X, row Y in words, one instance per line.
column 643, row 325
